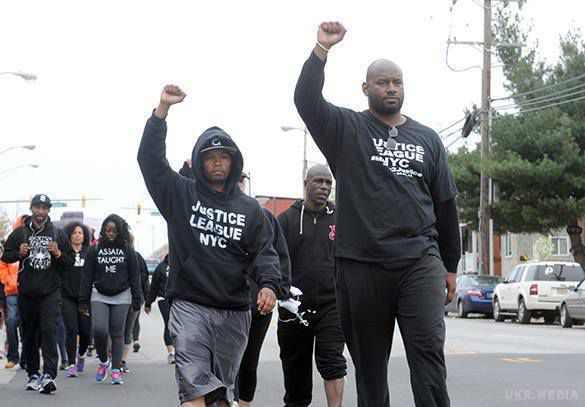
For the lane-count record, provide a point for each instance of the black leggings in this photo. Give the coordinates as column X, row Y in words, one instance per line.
column 75, row 324
column 165, row 308
column 129, row 326
column 247, row 377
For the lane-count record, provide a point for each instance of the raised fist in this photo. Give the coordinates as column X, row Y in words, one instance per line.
column 172, row 94
column 330, row 33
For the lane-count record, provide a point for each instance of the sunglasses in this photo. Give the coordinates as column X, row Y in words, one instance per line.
column 391, row 140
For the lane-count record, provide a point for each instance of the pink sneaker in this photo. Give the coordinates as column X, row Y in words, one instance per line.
column 117, row 376
column 72, row 371
column 102, row 372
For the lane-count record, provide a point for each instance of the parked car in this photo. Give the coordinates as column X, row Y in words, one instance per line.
column 151, row 264
column 573, row 307
column 473, row 294
column 535, row 289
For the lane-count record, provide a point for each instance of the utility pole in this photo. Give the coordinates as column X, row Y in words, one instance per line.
column 485, row 201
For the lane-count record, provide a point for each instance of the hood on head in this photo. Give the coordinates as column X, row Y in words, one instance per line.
column 214, row 137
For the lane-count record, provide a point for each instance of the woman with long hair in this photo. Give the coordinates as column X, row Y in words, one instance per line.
column 75, row 323
column 111, row 282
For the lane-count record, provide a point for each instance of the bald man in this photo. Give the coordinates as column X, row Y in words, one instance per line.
column 397, row 241
column 309, row 230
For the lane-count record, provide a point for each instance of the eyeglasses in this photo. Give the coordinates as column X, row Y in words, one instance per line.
column 391, row 140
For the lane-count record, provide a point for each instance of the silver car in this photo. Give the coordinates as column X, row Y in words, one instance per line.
column 573, row 307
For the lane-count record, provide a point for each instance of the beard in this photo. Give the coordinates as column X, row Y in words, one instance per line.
column 382, row 109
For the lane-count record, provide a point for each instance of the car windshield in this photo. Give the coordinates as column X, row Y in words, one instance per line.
column 484, row 281
column 559, row 272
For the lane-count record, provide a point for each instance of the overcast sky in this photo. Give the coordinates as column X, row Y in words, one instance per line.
column 101, row 66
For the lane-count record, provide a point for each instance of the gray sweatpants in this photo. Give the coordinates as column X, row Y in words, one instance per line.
column 109, row 319
column 209, row 344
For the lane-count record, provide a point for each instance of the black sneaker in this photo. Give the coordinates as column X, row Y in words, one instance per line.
column 124, row 367
column 47, row 385
column 136, row 347
column 89, row 352
column 33, row 383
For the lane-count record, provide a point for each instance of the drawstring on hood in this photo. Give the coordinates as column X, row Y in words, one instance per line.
column 216, row 137
column 328, row 210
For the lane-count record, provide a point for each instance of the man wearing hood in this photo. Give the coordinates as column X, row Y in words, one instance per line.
column 42, row 251
column 309, row 230
column 217, row 235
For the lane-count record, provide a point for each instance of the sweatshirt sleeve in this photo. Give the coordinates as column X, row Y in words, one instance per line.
column 87, row 277
column 67, row 259
column 264, row 268
column 447, row 226
column 325, row 121
column 159, row 178
column 12, row 247
column 134, row 276
column 154, row 286
column 281, row 248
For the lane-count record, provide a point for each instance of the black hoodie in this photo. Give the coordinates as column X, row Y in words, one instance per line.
column 39, row 272
column 215, row 239
column 310, row 238
column 72, row 275
column 159, row 281
column 111, row 269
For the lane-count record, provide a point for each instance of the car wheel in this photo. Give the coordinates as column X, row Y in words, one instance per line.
column 566, row 321
column 549, row 318
column 523, row 314
column 461, row 310
column 498, row 317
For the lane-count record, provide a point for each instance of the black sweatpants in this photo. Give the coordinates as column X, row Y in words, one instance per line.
column 247, row 376
column 370, row 300
column 39, row 320
column 296, row 343
column 75, row 324
column 165, row 309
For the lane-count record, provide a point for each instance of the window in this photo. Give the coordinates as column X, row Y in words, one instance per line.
column 559, row 272
column 508, row 245
column 560, row 245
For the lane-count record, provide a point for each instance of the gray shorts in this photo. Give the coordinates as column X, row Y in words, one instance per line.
column 209, row 344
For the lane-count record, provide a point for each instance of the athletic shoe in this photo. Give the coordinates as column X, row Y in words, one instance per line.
column 90, row 351
column 102, row 371
column 136, row 347
column 33, row 383
column 80, row 364
column 9, row 365
column 72, row 371
column 64, row 365
column 117, row 376
column 47, row 385
column 171, row 358
column 124, row 367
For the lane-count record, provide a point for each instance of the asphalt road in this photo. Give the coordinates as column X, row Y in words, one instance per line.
column 489, row 364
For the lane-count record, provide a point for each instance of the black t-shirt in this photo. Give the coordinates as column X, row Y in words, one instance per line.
column 385, row 198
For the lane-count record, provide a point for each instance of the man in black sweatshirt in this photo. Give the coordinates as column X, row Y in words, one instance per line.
column 43, row 252
column 217, row 235
column 397, row 243
column 309, row 230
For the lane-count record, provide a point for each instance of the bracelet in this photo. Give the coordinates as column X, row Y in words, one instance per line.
column 322, row 47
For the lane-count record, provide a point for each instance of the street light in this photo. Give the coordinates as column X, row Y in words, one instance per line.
column 305, row 132
column 24, row 75
column 4, row 174
column 26, row 147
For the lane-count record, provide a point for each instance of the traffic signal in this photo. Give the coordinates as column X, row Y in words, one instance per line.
column 138, row 208
column 83, row 201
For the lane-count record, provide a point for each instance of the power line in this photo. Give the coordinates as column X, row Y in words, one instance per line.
column 573, row 79
column 444, row 138
column 551, row 105
column 548, row 95
column 536, row 102
column 451, row 125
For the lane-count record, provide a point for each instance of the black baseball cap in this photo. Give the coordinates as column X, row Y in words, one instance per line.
column 41, row 199
column 216, row 143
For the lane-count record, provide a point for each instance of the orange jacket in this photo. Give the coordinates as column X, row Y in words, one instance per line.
column 9, row 277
